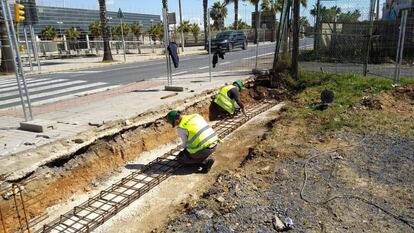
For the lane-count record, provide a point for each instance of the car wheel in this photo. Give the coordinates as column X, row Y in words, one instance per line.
column 244, row 45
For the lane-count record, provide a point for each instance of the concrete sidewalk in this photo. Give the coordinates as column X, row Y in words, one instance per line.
column 78, row 122
column 79, row 63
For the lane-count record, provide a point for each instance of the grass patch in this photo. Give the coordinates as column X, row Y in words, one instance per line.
column 349, row 89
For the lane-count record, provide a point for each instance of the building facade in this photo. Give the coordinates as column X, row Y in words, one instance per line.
column 63, row 18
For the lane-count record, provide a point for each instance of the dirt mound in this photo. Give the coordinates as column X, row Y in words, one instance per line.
column 399, row 100
column 405, row 93
column 371, row 103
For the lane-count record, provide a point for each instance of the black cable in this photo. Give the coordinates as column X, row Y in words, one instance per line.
column 302, row 196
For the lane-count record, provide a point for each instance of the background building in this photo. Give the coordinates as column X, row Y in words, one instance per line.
column 63, row 18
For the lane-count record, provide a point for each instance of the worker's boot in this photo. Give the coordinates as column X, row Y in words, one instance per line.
column 207, row 165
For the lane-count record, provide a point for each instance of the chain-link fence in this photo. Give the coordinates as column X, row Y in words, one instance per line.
column 359, row 37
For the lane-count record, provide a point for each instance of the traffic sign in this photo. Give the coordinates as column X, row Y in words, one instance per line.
column 120, row 14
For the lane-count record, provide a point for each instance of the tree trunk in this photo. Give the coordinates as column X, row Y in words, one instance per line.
column 295, row 49
column 286, row 36
column 105, row 31
column 256, row 25
column 165, row 4
column 236, row 14
column 273, row 29
column 205, row 6
column 7, row 65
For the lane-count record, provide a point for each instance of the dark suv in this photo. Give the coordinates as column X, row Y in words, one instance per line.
column 229, row 40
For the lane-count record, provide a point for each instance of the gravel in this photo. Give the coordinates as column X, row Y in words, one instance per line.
column 376, row 168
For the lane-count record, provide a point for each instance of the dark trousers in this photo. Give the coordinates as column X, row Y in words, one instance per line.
column 184, row 157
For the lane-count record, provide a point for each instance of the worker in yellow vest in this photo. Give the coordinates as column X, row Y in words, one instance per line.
column 229, row 96
column 199, row 140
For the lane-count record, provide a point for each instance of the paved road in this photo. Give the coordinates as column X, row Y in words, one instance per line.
column 50, row 88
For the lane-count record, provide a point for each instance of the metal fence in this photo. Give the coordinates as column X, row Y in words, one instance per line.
column 353, row 36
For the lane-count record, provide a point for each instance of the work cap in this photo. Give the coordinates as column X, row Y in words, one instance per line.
column 239, row 83
column 171, row 116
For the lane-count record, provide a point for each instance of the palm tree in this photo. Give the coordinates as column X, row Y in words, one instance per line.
column 95, row 29
column 156, row 31
column 105, row 31
column 205, row 19
column 195, row 29
column 256, row 12
column 236, row 11
column 218, row 13
column 72, row 34
column 136, row 29
column 242, row 25
column 165, row 4
column 48, row 33
column 118, row 30
column 185, row 27
column 272, row 7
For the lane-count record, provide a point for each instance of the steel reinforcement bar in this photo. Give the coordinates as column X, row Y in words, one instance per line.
column 98, row 209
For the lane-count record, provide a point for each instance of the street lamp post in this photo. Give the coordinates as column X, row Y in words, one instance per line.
column 60, row 27
column 245, row 15
column 181, row 23
column 150, row 37
column 109, row 18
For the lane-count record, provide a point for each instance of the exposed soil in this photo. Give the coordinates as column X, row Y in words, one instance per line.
column 352, row 182
column 400, row 100
column 60, row 179
column 168, row 199
column 376, row 169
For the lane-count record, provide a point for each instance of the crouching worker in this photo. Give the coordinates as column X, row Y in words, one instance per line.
column 199, row 140
column 229, row 96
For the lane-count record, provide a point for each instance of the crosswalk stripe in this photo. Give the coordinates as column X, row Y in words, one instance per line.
column 80, row 72
column 75, row 94
column 34, row 86
column 13, row 83
column 72, row 89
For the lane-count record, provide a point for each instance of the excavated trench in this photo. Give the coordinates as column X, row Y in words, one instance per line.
column 58, row 180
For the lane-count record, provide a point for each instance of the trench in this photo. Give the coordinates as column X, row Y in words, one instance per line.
column 60, row 179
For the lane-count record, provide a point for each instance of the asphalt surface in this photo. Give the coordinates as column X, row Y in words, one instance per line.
column 50, row 88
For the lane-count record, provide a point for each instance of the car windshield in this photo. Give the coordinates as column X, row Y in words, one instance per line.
column 223, row 35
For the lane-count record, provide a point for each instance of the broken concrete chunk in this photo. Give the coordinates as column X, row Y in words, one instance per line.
column 127, row 123
column 278, row 225
column 38, row 126
column 203, row 213
column 220, row 199
column 43, row 136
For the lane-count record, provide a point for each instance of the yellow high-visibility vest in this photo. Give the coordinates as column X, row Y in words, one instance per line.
column 223, row 100
column 200, row 133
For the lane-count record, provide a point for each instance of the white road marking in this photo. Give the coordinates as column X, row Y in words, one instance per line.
column 182, row 72
column 204, row 67
column 33, row 86
column 61, row 91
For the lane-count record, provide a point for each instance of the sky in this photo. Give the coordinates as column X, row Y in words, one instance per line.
column 193, row 9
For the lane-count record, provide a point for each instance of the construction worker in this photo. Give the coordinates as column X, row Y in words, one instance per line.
column 199, row 140
column 229, row 96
